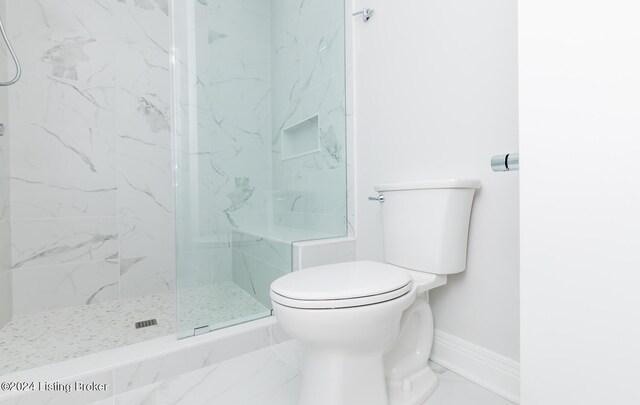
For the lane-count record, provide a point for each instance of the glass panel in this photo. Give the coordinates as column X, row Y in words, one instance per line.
column 260, row 141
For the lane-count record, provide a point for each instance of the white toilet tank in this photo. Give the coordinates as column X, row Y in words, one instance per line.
column 426, row 224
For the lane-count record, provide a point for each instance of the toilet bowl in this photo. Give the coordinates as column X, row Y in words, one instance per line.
column 347, row 316
column 366, row 327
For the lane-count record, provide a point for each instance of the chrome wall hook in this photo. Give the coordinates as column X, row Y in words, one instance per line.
column 367, row 13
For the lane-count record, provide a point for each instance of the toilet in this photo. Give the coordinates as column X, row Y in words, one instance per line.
column 366, row 328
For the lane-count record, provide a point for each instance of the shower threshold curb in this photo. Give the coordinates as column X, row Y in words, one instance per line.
column 131, row 367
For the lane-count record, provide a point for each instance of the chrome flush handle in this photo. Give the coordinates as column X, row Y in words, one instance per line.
column 379, row 198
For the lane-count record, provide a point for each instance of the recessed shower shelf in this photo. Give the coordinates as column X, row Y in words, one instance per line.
column 301, row 139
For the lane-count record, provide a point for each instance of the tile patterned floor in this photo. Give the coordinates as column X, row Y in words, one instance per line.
column 47, row 337
column 270, row 377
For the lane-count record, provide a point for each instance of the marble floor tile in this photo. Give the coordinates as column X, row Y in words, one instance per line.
column 456, row 390
column 271, row 377
column 48, row 337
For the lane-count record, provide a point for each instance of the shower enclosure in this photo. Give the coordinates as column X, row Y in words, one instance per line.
column 260, row 123
column 158, row 163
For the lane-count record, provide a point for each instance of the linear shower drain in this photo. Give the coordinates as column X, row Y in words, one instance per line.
column 144, row 324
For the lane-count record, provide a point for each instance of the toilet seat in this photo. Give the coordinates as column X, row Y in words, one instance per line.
column 342, row 285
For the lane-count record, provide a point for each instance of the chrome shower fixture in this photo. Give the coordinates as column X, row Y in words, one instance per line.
column 367, row 13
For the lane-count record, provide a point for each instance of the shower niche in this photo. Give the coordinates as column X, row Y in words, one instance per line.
column 260, row 129
column 301, row 139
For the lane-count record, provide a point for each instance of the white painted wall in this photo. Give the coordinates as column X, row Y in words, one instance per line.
column 436, row 96
column 580, row 138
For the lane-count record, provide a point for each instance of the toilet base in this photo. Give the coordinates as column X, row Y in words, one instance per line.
column 413, row 390
column 340, row 378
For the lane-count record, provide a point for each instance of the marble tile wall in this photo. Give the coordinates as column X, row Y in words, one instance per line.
column 91, row 173
column 223, row 124
column 6, row 296
column 245, row 71
column 238, row 74
column 6, row 301
column 223, row 129
column 268, row 65
column 257, row 262
column 308, row 76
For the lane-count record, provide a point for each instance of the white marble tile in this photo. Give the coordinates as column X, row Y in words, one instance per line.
column 324, row 55
column 67, row 76
column 243, row 202
column 255, row 276
column 5, row 196
column 157, row 369
column 77, row 149
column 146, row 275
column 208, row 265
column 62, row 44
column 289, row 219
column 329, row 224
column 46, row 288
column 144, row 113
column 263, row 248
column 238, row 133
column 262, row 377
column 146, row 235
column 145, row 22
column 5, row 155
column 308, row 77
column 60, row 194
column 271, row 377
column 59, row 102
column 107, row 401
column 233, row 113
column 143, row 80
column 143, row 190
column 91, row 132
column 58, row 241
column 145, row 185
column 5, row 246
column 455, row 390
column 325, row 192
column 6, row 298
column 243, row 269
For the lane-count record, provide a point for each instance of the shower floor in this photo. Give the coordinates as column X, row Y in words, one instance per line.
column 43, row 338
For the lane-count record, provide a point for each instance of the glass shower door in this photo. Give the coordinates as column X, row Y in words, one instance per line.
column 259, row 94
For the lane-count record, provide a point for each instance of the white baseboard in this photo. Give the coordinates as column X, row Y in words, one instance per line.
column 488, row 369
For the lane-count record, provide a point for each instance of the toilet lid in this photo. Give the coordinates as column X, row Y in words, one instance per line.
column 341, row 285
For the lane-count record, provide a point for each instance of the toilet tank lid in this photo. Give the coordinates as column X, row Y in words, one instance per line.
column 429, row 184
